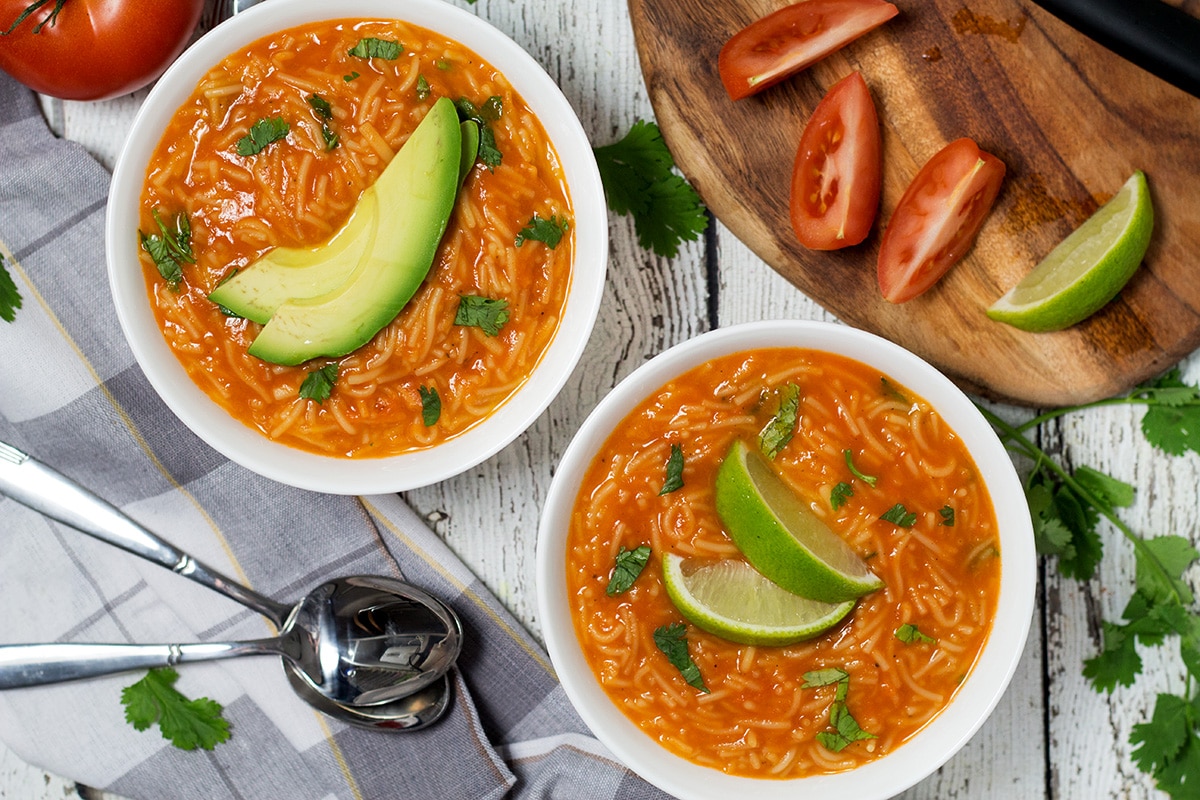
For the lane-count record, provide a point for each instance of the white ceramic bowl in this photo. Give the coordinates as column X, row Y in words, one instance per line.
column 375, row 475
column 932, row 746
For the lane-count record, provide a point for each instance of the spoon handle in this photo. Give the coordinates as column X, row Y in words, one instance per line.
column 31, row 483
column 24, row 665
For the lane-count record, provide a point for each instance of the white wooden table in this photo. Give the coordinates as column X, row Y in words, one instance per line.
column 1052, row 736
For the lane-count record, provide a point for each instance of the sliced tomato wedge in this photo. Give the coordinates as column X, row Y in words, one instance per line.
column 937, row 219
column 838, row 169
column 790, row 39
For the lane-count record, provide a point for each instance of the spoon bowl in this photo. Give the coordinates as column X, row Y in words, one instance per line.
column 412, row 712
column 359, row 641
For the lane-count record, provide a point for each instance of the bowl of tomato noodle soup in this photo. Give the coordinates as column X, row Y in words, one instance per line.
column 961, row 572
column 492, row 378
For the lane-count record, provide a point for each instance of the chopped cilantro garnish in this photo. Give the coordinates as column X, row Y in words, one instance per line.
column 170, row 248
column 911, row 634
column 318, row 384
column 628, row 567
column 482, row 312
column 947, row 515
column 638, row 177
column 780, row 428
column 900, row 516
column 845, row 728
column 325, row 114
column 674, row 480
column 187, row 724
column 350, row 77
column 422, row 87
column 491, row 110
column 431, row 405
column 672, row 641
column 824, row 677
column 867, row 479
column 370, row 47
column 840, row 493
column 548, row 231
column 10, row 297
column 261, row 134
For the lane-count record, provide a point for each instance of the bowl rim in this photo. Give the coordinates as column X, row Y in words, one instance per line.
column 954, row 725
column 404, row 471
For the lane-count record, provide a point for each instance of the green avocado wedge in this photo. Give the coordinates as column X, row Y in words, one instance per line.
column 291, row 273
column 414, row 197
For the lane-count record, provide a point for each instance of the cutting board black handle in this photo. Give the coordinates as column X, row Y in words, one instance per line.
column 1158, row 37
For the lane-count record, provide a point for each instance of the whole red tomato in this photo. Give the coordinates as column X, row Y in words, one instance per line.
column 93, row 49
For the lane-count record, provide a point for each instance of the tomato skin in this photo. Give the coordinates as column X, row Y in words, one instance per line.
column 838, row 169
column 790, row 39
column 95, row 49
column 937, row 219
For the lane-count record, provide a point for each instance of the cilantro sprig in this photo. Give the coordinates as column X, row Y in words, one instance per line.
column 673, row 481
column 846, row 730
column 547, row 231
column 262, row 133
column 170, row 248
column 672, row 641
column 626, row 569
column 484, row 115
column 318, row 384
column 10, row 296
column 639, row 180
column 487, row 313
column 187, row 724
column 782, row 426
column 1067, row 506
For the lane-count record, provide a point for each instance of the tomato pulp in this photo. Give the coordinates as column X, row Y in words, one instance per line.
column 838, row 169
column 790, row 39
column 93, row 49
column 937, row 219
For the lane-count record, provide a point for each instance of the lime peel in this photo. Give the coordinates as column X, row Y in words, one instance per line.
column 780, row 535
column 1087, row 269
column 731, row 599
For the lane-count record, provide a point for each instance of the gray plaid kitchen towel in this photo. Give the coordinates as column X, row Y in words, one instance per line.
column 72, row 395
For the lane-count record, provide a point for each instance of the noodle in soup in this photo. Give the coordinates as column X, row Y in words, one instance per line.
column 905, row 648
column 298, row 191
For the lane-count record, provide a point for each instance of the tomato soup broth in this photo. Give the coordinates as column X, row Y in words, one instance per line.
column 941, row 575
column 298, row 191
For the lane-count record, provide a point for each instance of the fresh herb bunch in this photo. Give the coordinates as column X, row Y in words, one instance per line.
column 1067, row 505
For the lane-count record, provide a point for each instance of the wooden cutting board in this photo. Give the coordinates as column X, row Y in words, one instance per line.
column 1070, row 120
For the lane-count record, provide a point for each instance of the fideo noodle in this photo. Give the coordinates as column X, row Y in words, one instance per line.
column 942, row 574
column 296, row 192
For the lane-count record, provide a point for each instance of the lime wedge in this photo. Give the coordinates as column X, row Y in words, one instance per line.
column 1086, row 269
column 734, row 601
column 780, row 535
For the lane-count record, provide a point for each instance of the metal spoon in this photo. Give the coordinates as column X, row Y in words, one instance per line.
column 347, row 625
column 358, row 641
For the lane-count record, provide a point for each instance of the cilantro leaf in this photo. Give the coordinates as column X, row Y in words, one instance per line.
column 170, row 249
column 491, row 110
column 629, row 565
column 900, row 516
column 431, row 405
column 548, row 231
column 824, row 677
column 349, row 77
column 262, row 133
column 10, row 297
column 674, row 479
column 1172, row 422
column 947, row 514
column 482, row 312
column 846, row 730
column 318, row 384
column 782, row 426
column 1159, row 741
column 370, row 47
column 188, row 724
column 1117, row 663
column 911, row 634
column 1161, row 578
column 672, row 641
column 324, row 113
column 637, row 173
column 867, row 479
column 423, row 89
column 1112, row 492
column 839, row 494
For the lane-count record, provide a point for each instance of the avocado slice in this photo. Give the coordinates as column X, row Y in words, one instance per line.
column 470, row 148
column 414, row 197
column 289, row 273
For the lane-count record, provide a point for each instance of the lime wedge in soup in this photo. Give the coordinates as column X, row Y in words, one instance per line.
column 1087, row 269
column 780, row 535
column 731, row 599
